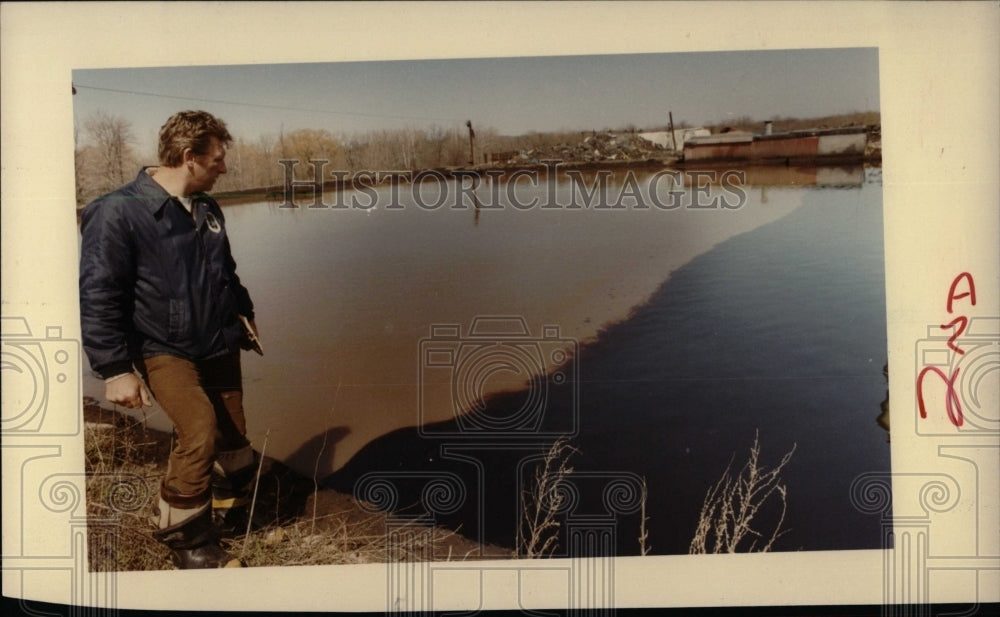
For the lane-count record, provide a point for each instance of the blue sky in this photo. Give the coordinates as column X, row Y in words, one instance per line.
column 513, row 95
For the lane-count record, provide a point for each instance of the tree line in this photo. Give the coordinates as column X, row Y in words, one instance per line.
column 106, row 153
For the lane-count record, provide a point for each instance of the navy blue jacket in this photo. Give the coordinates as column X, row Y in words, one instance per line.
column 155, row 280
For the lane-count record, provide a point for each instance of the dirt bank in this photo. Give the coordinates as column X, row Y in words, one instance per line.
column 299, row 523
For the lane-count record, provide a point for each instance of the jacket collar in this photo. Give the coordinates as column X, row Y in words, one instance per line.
column 156, row 195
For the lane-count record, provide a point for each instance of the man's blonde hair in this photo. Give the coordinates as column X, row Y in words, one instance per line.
column 190, row 129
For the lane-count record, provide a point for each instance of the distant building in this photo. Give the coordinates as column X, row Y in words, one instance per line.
column 844, row 143
column 676, row 141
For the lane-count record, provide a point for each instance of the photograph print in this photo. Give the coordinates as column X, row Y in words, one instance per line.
column 468, row 309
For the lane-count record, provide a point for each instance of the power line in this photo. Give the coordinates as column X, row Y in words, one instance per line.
column 262, row 105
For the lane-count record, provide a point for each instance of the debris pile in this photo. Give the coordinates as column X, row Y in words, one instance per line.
column 873, row 149
column 594, row 148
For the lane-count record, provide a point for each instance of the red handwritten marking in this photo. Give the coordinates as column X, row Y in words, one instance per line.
column 971, row 290
column 953, row 405
column 962, row 322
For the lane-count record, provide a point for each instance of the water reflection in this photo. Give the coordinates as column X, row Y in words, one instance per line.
column 760, row 175
column 821, row 177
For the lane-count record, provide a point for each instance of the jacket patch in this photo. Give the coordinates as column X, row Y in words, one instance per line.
column 213, row 223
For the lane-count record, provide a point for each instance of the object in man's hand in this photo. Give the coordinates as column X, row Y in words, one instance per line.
column 252, row 340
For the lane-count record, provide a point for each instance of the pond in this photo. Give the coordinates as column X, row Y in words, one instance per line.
column 674, row 317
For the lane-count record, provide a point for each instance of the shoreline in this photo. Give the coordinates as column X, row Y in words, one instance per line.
column 303, row 522
column 375, row 389
column 367, row 178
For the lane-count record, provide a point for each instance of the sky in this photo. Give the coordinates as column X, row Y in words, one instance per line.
column 513, row 95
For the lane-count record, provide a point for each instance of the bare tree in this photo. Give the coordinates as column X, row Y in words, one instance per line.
column 304, row 145
column 112, row 140
column 267, row 171
column 81, row 193
column 434, row 143
column 239, row 163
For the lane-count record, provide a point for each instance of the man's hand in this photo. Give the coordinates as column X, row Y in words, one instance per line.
column 252, row 336
column 128, row 391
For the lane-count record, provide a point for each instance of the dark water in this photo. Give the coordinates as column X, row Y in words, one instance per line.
column 779, row 331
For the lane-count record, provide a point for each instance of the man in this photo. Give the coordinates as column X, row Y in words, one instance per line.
column 159, row 296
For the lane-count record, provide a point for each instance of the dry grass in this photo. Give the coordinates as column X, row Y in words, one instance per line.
column 334, row 539
column 731, row 507
column 538, row 533
column 123, row 479
column 125, row 462
column 644, row 547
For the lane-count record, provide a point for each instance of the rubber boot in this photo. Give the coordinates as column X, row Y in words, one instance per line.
column 232, row 486
column 192, row 538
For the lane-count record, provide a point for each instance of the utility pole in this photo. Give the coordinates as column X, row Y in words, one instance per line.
column 673, row 136
column 472, row 137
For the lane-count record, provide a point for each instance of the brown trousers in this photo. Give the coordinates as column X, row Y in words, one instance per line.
column 204, row 400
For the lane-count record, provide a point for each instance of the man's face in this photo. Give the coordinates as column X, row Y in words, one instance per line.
column 208, row 167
